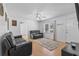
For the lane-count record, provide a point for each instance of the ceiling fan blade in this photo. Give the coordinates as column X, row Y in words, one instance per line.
column 43, row 17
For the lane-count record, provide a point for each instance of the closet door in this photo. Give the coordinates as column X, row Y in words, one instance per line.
column 60, row 30
column 69, row 29
column 72, row 30
column 23, row 29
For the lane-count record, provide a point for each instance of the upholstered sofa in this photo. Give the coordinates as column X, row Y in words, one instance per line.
column 15, row 47
column 35, row 34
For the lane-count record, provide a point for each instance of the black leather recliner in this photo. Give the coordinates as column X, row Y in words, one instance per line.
column 35, row 34
column 15, row 47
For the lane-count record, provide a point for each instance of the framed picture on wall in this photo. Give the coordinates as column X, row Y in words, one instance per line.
column 14, row 23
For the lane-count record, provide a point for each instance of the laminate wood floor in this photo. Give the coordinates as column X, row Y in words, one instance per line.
column 38, row 50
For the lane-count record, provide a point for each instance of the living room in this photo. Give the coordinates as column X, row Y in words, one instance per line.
column 57, row 22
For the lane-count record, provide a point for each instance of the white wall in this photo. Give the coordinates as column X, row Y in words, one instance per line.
column 3, row 25
column 31, row 25
column 14, row 29
column 12, row 16
column 31, row 22
column 66, row 27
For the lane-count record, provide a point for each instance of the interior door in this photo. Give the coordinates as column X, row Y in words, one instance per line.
column 60, row 30
column 23, row 29
column 71, row 30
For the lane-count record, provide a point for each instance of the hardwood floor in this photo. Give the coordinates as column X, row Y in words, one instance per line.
column 38, row 50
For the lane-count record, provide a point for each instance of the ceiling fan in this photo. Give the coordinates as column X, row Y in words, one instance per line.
column 39, row 16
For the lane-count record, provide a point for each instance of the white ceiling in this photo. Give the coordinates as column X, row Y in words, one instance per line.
column 28, row 10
